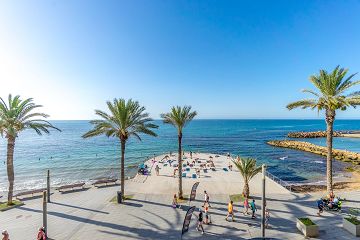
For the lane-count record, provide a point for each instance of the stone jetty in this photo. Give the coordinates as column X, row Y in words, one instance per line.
column 341, row 155
column 315, row 134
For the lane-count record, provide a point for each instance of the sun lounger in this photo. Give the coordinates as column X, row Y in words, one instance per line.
column 194, row 175
column 165, row 164
column 187, row 169
column 205, row 170
column 225, row 169
column 70, row 187
column 105, row 181
column 31, row 192
column 213, row 169
column 183, row 175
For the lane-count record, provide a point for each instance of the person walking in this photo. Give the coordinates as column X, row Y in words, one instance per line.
column 267, row 217
column 320, row 204
column 206, row 198
column 5, row 235
column 246, row 206
column 175, row 203
column 157, row 170
column 207, row 215
column 253, row 208
column 200, row 222
column 230, row 211
column 41, row 234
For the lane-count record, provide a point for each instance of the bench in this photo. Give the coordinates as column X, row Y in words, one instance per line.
column 31, row 192
column 105, row 181
column 71, row 186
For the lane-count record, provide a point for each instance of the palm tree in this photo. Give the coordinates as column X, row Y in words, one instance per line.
column 330, row 96
column 15, row 116
column 179, row 117
column 248, row 169
column 126, row 119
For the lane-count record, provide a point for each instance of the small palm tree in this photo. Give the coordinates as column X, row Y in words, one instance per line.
column 331, row 96
column 15, row 116
column 248, row 169
column 126, row 119
column 179, row 117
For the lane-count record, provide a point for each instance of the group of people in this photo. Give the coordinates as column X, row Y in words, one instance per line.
column 330, row 202
column 247, row 206
column 204, row 216
column 41, row 235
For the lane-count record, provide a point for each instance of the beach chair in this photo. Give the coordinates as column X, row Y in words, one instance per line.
column 225, row 169
column 187, row 169
column 205, row 170
column 184, row 175
column 194, row 175
column 165, row 164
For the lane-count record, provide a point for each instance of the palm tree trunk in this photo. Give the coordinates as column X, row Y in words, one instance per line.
column 180, row 165
column 330, row 117
column 122, row 167
column 246, row 190
column 10, row 167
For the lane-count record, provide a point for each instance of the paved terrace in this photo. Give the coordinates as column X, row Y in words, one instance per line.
column 89, row 214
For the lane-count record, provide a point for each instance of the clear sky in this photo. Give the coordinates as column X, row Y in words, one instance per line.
column 228, row 59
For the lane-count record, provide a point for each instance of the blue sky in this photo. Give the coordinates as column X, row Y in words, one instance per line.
column 228, row 59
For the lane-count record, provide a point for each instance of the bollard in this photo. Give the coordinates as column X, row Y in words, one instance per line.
column 48, row 185
column 45, row 213
column 263, row 202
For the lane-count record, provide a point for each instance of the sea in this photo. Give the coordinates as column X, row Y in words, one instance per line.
column 70, row 158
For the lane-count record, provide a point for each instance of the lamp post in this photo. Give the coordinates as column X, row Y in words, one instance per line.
column 263, row 202
column 45, row 212
column 48, row 185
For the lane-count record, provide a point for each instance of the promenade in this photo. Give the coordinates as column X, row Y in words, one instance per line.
column 89, row 214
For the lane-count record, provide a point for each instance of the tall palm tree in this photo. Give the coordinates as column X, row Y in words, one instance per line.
column 330, row 96
column 15, row 116
column 248, row 169
column 126, row 119
column 179, row 117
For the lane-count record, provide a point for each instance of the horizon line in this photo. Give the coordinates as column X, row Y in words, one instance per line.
column 159, row 119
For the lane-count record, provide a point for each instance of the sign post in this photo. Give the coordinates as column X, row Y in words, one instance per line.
column 263, row 202
column 48, row 185
column 187, row 220
column 44, row 212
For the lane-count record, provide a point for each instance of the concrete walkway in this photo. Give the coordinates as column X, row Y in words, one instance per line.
column 89, row 214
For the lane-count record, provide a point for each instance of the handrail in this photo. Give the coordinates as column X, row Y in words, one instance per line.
column 278, row 180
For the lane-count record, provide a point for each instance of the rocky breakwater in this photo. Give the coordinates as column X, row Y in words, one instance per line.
column 316, row 134
column 341, row 155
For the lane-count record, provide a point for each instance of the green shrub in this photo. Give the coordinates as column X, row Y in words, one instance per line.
column 353, row 220
column 307, row 221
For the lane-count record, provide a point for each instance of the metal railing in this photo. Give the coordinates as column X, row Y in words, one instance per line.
column 283, row 183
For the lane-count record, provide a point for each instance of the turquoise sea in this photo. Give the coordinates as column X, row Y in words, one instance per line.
column 71, row 158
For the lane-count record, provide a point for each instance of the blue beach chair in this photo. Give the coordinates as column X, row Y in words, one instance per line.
column 194, row 175
column 184, row 175
column 225, row 169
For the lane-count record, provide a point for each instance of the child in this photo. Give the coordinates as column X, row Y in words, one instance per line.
column 175, row 203
column 320, row 205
